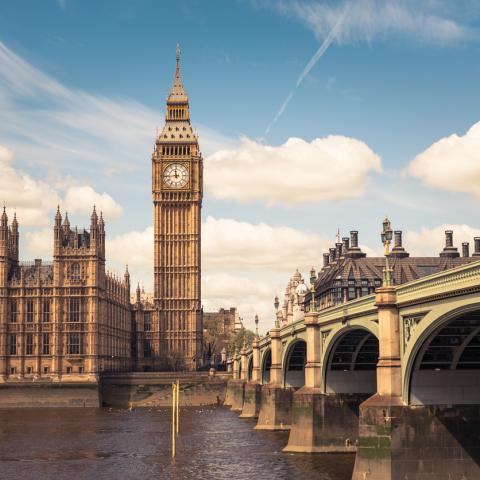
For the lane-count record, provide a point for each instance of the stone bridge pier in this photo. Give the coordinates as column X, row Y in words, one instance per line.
column 236, row 386
column 253, row 388
column 276, row 400
column 325, row 409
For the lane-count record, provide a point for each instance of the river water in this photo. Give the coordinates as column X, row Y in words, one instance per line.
column 116, row 444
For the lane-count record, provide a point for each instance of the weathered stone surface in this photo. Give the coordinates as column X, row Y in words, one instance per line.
column 145, row 390
column 53, row 395
column 323, row 423
column 252, row 400
column 276, row 408
column 237, row 388
column 418, row 443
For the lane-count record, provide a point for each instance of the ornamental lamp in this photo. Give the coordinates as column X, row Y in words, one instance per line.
column 276, row 303
column 386, row 236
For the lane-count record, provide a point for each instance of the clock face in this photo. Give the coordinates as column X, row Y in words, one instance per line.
column 175, row 175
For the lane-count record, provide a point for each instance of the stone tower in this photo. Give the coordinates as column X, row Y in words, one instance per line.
column 177, row 187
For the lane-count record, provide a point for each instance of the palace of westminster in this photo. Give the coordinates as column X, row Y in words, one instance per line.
column 69, row 320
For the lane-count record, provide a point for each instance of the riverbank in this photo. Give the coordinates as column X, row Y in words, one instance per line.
column 117, row 390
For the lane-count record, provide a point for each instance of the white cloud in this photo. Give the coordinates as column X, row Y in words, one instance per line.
column 432, row 22
column 230, row 244
column 39, row 243
column 134, row 248
column 81, row 199
column 30, row 198
column 452, row 163
column 430, row 241
column 330, row 168
column 35, row 200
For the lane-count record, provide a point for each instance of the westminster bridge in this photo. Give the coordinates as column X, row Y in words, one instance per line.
column 393, row 377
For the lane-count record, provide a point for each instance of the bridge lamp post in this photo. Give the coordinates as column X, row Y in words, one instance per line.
column 313, row 277
column 276, row 305
column 387, row 235
column 256, row 327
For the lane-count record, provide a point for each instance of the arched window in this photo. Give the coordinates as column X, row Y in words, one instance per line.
column 75, row 272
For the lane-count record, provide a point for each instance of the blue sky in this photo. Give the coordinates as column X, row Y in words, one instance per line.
column 90, row 78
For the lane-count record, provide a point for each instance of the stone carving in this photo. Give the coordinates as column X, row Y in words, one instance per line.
column 409, row 325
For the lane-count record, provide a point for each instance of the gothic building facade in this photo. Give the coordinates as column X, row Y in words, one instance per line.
column 64, row 320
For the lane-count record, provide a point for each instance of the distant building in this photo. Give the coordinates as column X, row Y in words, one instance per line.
column 348, row 273
column 218, row 327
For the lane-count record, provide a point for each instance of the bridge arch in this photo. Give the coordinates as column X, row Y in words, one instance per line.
column 350, row 360
column 443, row 359
column 250, row 368
column 266, row 365
column 293, row 364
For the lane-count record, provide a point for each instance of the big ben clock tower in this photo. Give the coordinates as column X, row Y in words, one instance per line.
column 177, row 187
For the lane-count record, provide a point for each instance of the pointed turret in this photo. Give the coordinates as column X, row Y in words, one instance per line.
column 15, row 222
column 4, row 219
column 58, row 217
column 101, row 223
column 126, row 276
column 15, row 237
column 94, row 217
column 66, row 222
column 138, row 293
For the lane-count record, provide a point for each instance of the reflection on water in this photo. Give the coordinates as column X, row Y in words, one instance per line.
column 117, row 444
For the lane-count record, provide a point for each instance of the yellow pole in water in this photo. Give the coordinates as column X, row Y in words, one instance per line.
column 174, row 387
column 178, row 402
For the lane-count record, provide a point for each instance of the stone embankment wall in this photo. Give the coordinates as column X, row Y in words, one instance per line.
column 155, row 389
column 43, row 394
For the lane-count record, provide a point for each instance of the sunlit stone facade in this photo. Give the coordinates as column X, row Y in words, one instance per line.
column 67, row 320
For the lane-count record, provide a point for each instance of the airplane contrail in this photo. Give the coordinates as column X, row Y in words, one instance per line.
column 312, row 62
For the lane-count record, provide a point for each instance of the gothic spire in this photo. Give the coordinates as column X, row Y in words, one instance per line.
column 177, row 92
column 94, row 217
column 15, row 222
column 58, row 216
column 4, row 219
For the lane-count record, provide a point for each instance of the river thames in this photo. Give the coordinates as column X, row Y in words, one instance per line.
column 119, row 444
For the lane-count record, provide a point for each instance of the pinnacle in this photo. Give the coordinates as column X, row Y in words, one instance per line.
column 177, row 92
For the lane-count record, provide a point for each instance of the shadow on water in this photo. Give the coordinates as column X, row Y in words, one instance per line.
column 118, row 444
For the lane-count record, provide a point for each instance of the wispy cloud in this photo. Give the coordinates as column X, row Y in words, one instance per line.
column 438, row 22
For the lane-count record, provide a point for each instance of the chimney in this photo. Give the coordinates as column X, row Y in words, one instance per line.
column 326, row 258
column 448, row 238
column 465, row 249
column 346, row 244
column 476, row 253
column 338, row 248
column 332, row 255
column 449, row 251
column 354, row 238
column 398, row 251
column 354, row 250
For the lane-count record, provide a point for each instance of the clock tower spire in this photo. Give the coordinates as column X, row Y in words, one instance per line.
column 177, row 188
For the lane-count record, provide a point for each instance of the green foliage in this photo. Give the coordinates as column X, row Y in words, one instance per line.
column 240, row 339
